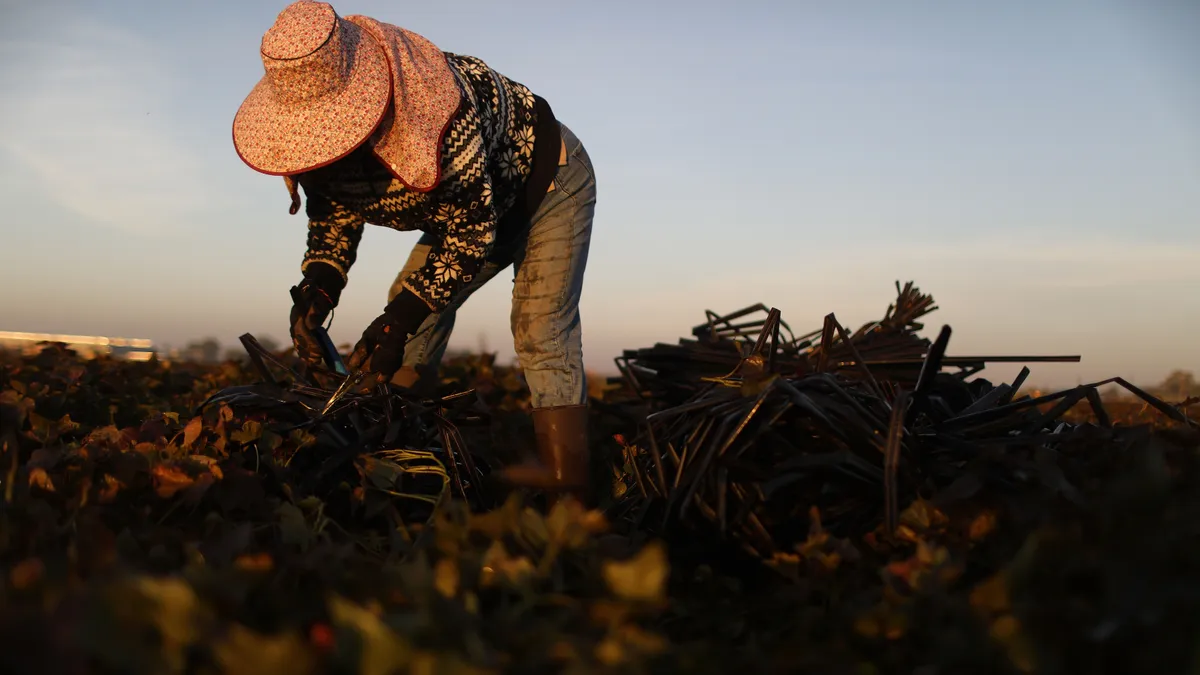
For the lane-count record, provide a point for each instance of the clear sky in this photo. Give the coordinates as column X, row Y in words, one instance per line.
column 1034, row 165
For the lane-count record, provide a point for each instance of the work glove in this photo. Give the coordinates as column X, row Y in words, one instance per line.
column 312, row 301
column 380, row 351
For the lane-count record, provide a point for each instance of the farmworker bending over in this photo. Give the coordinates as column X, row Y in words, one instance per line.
column 380, row 126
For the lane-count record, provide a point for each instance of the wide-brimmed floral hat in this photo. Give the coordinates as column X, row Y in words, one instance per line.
column 327, row 87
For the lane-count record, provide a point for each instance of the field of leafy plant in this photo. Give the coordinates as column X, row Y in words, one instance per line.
column 191, row 519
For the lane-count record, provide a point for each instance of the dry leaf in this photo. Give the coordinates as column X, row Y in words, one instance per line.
column 786, row 564
column 982, row 525
column 209, row 463
column 255, row 562
column 594, row 522
column 108, row 489
column 169, row 479
column 40, row 479
column 192, row 431
column 27, row 573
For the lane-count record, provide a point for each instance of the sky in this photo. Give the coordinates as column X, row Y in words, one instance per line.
column 1033, row 165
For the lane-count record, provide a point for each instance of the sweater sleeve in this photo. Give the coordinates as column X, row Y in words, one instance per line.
column 333, row 234
column 464, row 226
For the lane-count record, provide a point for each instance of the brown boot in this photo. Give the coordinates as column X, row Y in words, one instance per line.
column 562, row 447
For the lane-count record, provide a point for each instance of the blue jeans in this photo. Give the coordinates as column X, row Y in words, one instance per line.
column 548, row 262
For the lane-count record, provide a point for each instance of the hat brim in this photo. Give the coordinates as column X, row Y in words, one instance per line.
column 286, row 139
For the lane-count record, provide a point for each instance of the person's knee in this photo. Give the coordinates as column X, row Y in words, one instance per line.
column 534, row 335
column 546, row 339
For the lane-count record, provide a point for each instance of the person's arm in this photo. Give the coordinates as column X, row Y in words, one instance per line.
column 333, row 236
column 464, row 226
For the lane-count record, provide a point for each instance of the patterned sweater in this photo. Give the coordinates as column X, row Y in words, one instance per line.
column 487, row 160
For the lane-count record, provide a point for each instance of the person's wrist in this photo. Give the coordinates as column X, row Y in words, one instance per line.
column 407, row 312
column 326, row 280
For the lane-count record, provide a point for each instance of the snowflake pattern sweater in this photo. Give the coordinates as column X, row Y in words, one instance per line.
column 492, row 174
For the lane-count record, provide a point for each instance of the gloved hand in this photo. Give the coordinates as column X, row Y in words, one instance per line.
column 312, row 301
column 381, row 348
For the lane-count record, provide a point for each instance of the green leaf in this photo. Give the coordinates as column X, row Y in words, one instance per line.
column 382, row 473
column 48, row 431
column 177, row 606
column 642, row 578
column 293, row 528
column 301, row 438
column 251, row 431
column 242, row 651
column 270, row 442
column 146, row 624
column 380, row 651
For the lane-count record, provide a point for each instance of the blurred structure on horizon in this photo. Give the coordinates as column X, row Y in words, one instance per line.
column 88, row 346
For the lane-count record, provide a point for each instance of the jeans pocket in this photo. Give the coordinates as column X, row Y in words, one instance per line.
column 576, row 177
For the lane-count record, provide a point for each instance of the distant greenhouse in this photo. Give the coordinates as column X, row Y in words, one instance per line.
column 88, row 346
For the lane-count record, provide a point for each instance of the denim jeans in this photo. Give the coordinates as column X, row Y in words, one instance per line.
column 548, row 262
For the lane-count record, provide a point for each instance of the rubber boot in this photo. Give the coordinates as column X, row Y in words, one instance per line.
column 563, row 456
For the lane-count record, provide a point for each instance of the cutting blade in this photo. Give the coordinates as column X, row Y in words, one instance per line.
column 350, row 383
